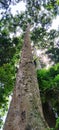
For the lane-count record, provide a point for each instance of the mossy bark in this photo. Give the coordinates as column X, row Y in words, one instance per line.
column 25, row 112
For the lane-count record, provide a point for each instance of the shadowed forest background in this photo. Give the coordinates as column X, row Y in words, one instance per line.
column 40, row 15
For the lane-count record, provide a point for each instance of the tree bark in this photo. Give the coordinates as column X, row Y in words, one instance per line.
column 25, row 112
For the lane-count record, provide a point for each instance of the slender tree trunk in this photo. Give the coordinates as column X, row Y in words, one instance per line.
column 25, row 112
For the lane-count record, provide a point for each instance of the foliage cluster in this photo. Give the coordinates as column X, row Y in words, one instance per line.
column 49, row 88
column 49, row 82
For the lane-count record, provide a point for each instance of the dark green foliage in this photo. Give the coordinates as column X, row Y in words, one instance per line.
column 48, row 79
column 10, row 54
column 7, row 74
column 7, row 77
column 8, row 47
column 38, row 36
column 53, row 6
column 49, row 88
column 53, row 54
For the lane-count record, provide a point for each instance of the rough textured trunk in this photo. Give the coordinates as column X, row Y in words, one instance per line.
column 25, row 112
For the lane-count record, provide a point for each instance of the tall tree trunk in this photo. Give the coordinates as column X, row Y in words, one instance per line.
column 25, row 112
